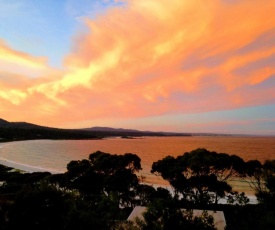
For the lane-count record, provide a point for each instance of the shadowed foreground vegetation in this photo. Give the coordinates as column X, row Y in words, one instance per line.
column 100, row 192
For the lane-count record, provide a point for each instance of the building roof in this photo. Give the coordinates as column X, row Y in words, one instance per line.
column 219, row 220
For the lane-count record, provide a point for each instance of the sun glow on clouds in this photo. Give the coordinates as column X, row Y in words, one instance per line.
column 15, row 69
column 10, row 58
column 150, row 58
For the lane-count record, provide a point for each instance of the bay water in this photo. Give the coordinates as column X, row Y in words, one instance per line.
column 54, row 155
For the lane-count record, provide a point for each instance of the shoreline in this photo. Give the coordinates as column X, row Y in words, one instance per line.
column 26, row 168
column 56, row 139
column 31, row 169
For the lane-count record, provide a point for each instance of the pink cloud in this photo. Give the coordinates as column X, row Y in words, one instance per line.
column 156, row 57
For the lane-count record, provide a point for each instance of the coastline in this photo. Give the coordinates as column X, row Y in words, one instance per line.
column 31, row 169
column 26, row 168
column 237, row 184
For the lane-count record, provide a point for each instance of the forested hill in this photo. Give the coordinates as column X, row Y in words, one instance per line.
column 131, row 132
column 13, row 131
column 23, row 125
column 2, row 122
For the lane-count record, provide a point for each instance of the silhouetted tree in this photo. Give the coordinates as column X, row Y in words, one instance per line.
column 104, row 173
column 200, row 173
column 264, row 178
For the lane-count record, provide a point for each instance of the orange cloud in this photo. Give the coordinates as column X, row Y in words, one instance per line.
column 158, row 57
column 19, row 71
column 10, row 57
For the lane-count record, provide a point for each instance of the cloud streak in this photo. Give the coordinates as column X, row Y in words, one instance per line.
column 149, row 58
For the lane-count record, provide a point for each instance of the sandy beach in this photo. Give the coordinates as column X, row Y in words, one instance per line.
column 26, row 168
column 238, row 185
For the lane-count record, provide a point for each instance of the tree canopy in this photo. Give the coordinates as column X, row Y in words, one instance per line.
column 199, row 174
column 101, row 191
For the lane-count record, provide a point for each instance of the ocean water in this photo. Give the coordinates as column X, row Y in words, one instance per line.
column 54, row 155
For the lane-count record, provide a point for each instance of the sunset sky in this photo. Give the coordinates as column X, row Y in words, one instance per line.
column 161, row 65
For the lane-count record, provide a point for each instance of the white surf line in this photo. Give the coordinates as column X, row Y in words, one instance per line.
column 26, row 167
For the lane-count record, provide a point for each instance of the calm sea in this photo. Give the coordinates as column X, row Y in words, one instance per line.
column 53, row 156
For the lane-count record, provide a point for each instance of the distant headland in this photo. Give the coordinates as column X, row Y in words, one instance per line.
column 15, row 131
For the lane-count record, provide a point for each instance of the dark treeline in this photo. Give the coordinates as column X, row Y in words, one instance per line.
column 15, row 134
column 100, row 192
column 14, row 131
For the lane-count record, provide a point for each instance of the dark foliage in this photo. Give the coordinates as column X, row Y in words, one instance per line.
column 200, row 173
column 16, row 134
column 99, row 192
